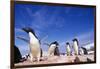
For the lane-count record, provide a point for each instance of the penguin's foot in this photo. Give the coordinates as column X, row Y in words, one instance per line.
column 38, row 59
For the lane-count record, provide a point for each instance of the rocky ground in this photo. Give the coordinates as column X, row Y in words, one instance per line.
column 59, row 59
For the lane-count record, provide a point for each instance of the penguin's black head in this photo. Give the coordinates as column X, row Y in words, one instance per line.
column 55, row 42
column 67, row 43
column 28, row 29
column 75, row 39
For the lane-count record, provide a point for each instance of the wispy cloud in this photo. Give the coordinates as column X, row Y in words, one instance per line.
column 41, row 19
column 88, row 46
column 86, row 38
column 17, row 31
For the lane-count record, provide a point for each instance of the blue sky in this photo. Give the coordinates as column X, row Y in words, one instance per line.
column 54, row 23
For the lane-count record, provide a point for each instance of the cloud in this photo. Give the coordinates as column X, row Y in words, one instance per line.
column 38, row 21
column 42, row 18
column 17, row 30
column 44, row 38
column 86, row 38
column 88, row 46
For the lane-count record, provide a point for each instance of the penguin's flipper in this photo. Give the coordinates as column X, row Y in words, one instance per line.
column 23, row 39
column 56, row 52
column 41, row 53
column 46, row 44
column 85, row 50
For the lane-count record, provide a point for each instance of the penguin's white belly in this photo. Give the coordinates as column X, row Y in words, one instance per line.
column 68, row 49
column 35, row 49
column 51, row 51
column 81, row 52
column 76, row 49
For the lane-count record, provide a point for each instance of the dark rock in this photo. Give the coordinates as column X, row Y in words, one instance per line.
column 89, row 60
column 76, row 60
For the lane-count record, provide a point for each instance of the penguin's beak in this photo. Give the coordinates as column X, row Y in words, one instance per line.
column 25, row 29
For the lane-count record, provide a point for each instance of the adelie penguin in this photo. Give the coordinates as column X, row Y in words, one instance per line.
column 68, row 49
column 76, row 46
column 27, row 41
column 34, row 44
column 53, row 49
column 81, row 52
column 84, row 50
column 17, row 55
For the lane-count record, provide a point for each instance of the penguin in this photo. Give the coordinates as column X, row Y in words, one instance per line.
column 53, row 49
column 25, row 57
column 27, row 41
column 68, row 49
column 75, row 46
column 81, row 51
column 56, row 51
column 84, row 50
column 17, row 55
column 34, row 44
